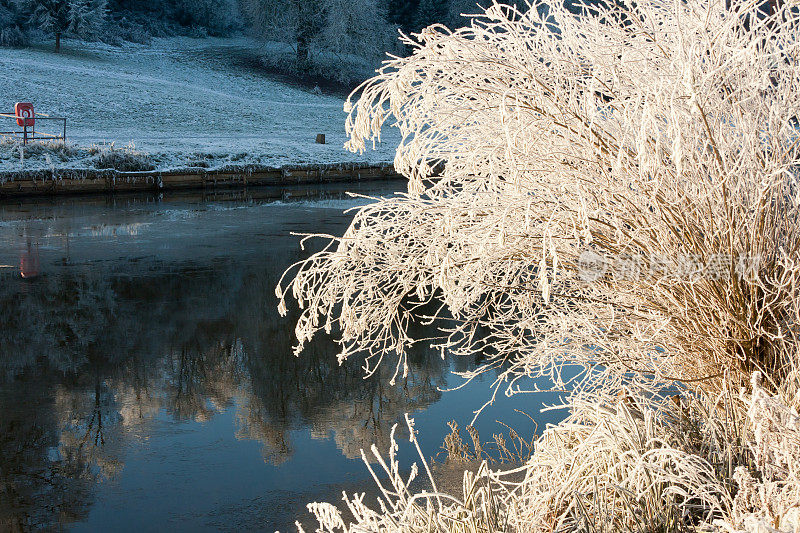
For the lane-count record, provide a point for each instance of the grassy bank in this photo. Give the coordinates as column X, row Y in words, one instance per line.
column 181, row 101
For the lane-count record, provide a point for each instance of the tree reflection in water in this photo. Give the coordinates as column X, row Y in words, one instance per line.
column 94, row 352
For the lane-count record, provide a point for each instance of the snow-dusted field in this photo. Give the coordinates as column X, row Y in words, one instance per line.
column 186, row 102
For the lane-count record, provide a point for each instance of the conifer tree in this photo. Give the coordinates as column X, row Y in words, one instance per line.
column 13, row 29
column 87, row 17
column 82, row 18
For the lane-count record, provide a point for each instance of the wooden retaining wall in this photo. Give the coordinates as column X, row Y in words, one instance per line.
column 88, row 181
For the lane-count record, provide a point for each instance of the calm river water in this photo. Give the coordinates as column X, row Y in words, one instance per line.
column 147, row 380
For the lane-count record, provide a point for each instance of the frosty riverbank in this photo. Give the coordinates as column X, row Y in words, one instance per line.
column 181, row 102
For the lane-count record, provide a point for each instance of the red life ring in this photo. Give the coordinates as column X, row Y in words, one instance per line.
column 24, row 113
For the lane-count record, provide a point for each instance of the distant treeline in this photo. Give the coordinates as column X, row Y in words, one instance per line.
column 346, row 39
column 115, row 21
column 328, row 37
column 137, row 20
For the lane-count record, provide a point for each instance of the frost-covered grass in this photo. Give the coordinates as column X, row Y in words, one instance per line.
column 184, row 102
column 14, row 155
column 728, row 464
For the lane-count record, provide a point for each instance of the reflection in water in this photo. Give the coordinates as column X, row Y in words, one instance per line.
column 29, row 260
column 113, row 328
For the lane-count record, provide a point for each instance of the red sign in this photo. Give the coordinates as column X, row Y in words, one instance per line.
column 24, row 113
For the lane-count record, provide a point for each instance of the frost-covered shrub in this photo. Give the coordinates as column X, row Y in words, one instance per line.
column 59, row 149
column 126, row 159
column 13, row 37
column 16, row 156
column 768, row 495
column 53, row 154
column 614, row 190
column 612, row 194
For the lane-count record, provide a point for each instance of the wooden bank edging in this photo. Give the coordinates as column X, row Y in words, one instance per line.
column 89, row 181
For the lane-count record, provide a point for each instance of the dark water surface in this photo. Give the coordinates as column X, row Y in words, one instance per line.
column 147, row 381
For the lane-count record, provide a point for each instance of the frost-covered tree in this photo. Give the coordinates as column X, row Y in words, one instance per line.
column 87, row 17
column 52, row 16
column 13, row 27
column 293, row 21
column 357, row 28
column 81, row 18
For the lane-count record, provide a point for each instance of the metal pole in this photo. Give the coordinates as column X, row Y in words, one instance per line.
column 64, row 135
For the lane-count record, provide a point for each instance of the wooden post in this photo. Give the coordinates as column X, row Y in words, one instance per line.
column 320, row 138
column 24, row 131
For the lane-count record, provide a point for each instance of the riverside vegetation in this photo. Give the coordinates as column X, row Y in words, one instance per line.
column 618, row 194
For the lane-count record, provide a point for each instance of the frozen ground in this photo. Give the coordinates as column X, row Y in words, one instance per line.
column 185, row 102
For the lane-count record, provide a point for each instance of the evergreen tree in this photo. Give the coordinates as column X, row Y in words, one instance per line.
column 82, row 18
column 356, row 27
column 13, row 29
column 87, row 17
column 52, row 16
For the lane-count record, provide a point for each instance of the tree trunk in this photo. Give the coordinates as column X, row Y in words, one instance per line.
column 58, row 41
column 302, row 52
column 305, row 32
